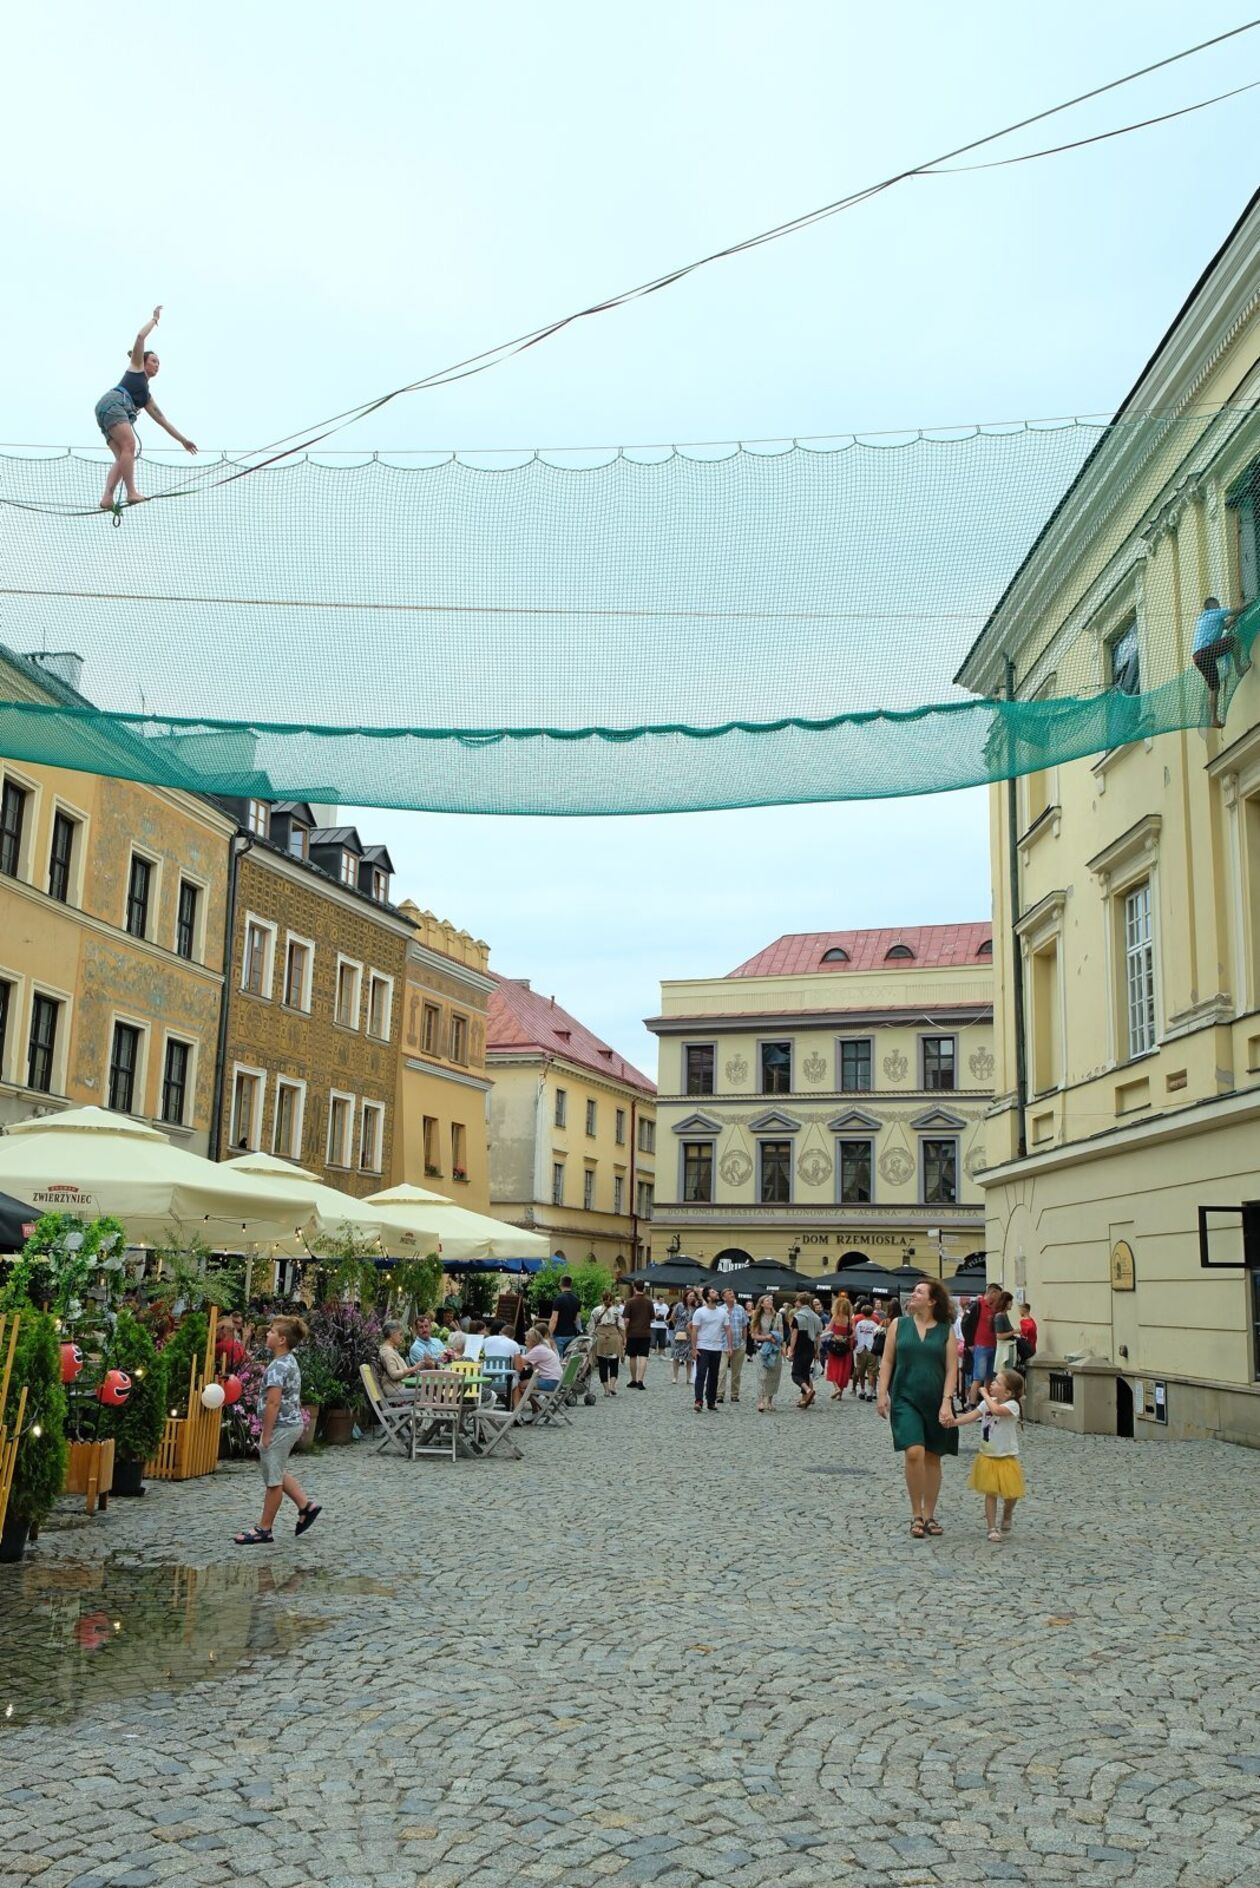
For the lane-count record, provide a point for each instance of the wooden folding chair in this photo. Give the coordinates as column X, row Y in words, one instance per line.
column 437, row 1413
column 549, row 1406
column 393, row 1413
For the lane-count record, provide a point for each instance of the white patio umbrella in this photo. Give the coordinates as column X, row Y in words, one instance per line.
column 91, row 1162
column 334, row 1213
column 415, row 1214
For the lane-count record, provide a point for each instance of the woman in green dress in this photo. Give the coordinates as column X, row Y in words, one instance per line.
column 917, row 1377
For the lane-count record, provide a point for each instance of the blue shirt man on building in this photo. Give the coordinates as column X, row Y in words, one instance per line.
column 1213, row 638
column 733, row 1359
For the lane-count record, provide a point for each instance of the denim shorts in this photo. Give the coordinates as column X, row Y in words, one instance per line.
column 274, row 1459
column 113, row 408
column 983, row 1358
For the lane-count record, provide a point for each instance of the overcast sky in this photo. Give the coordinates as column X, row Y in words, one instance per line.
column 330, row 203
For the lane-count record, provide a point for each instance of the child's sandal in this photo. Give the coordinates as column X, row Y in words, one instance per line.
column 918, row 1528
column 995, row 1534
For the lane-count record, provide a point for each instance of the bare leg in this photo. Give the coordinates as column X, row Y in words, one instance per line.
column 122, row 443
column 293, row 1488
column 914, row 1479
column 271, row 1506
column 990, row 1516
column 1008, row 1515
column 931, row 1483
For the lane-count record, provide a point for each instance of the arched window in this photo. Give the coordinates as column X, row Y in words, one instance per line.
column 897, row 950
column 730, row 1257
column 835, row 956
column 985, row 949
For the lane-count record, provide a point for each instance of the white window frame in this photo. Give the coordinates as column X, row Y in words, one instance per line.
column 619, row 1127
column 348, row 963
column 270, row 932
column 375, row 978
column 349, row 869
column 372, row 1111
column 346, row 1165
column 190, row 1086
column 78, row 853
column 152, row 913
column 459, row 1129
column 647, row 1134
column 137, row 1111
column 253, row 1141
column 202, row 888
column 308, row 945
column 30, row 821
column 258, row 818
column 459, row 1021
column 589, row 1177
column 1137, row 915
column 592, row 1117
column 645, row 1198
column 430, row 1046
column 296, row 1087
column 619, row 1194
column 557, row 1182
column 560, row 1113
column 1119, row 867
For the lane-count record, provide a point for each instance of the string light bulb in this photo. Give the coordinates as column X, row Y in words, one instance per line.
column 37, row 1429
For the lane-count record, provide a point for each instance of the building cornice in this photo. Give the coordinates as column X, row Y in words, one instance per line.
column 758, row 1022
column 449, row 967
column 1137, row 844
column 268, row 859
column 884, row 1098
column 572, row 1071
column 443, row 1074
column 1199, row 1117
column 824, row 1218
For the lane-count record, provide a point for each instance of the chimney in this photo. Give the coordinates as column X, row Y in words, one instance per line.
column 63, row 663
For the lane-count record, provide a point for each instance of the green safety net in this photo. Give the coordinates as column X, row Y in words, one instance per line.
column 646, row 631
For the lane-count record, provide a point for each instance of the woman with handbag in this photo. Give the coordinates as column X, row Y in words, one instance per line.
column 838, row 1346
column 765, row 1330
column 608, row 1341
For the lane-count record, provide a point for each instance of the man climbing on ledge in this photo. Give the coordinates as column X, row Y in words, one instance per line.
column 116, row 413
column 1213, row 639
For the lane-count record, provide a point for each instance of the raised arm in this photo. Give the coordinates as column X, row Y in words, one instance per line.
column 137, row 346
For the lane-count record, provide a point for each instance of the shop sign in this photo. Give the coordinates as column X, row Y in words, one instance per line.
column 1123, row 1275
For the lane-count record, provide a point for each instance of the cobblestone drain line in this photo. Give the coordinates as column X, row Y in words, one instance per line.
column 658, row 1650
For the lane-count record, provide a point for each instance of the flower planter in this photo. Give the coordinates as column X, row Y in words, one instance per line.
column 310, row 1418
column 90, row 1472
column 338, row 1427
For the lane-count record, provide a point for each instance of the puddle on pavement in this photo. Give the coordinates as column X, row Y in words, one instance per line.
column 78, row 1635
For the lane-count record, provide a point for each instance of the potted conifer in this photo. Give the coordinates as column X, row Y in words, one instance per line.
column 40, row 1466
column 137, row 1426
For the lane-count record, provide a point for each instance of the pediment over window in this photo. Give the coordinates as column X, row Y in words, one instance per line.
column 934, row 1119
column 853, row 1119
column 698, row 1124
column 774, row 1123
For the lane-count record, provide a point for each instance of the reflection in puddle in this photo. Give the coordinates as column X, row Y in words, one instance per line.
column 77, row 1635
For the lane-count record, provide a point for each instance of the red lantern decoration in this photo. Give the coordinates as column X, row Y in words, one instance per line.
column 233, row 1389
column 71, row 1362
column 115, row 1389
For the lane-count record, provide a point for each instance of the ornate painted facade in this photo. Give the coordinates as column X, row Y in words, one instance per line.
column 827, row 1099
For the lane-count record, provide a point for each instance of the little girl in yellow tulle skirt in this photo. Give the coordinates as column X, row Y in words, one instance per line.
column 996, row 1473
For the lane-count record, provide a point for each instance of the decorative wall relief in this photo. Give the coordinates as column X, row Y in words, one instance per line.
column 814, row 1067
column 897, row 1161
column 413, row 1011
column 814, row 1167
column 735, row 1167
column 896, row 1067
column 982, row 1064
column 737, row 1071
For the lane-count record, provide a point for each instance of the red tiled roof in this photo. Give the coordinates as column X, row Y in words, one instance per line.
column 935, row 947
column 521, row 1018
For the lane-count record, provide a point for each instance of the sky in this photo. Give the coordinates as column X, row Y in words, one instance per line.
column 329, row 204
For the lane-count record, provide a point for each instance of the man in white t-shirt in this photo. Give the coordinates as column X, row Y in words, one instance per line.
column 710, row 1341
column 499, row 1345
column 660, row 1324
column 865, row 1362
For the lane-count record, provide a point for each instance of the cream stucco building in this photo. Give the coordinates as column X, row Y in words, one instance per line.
column 1131, row 1096
column 444, row 1089
column 827, row 1100
column 573, row 1128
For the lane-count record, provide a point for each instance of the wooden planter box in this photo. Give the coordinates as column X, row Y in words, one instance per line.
column 190, row 1444
column 90, row 1472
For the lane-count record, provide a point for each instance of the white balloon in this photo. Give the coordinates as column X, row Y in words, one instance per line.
column 212, row 1396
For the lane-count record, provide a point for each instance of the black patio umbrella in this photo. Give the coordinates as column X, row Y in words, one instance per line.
column 971, row 1276
column 870, row 1281
column 679, row 1273
column 750, row 1281
column 17, row 1223
column 856, row 1280
column 907, row 1277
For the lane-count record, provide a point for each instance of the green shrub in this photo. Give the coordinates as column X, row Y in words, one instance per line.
column 137, row 1426
column 188, row 1345
column 40, row 1470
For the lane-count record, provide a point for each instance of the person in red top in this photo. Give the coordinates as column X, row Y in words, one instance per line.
column 1028, row 1328
column 982, row 1340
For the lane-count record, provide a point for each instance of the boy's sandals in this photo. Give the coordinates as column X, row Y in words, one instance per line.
column 308, row 1516
column 995, row 1534
column 918, row 1528
column 933, row 1526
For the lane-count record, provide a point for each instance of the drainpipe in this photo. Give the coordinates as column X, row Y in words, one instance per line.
column 1017, row 966
column 634, row 1211
column 220, row 1060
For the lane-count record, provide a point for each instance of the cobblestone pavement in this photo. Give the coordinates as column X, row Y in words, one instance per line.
column 660, row 1649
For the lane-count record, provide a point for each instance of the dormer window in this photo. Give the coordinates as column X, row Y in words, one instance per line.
column 349, row 869
column 897, row 951
column 380, row 885
column 837, row 955
column 256, row 818
column 985, row 949
column 297, row 840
